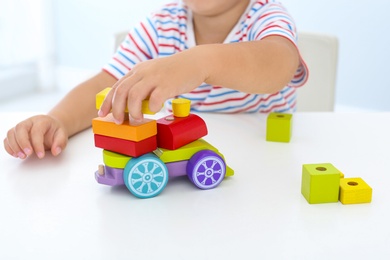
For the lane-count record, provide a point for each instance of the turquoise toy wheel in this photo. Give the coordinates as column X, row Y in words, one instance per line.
column 145, row 176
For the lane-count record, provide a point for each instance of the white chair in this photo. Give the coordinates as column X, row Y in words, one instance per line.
column 320, row 53
column 118, row 39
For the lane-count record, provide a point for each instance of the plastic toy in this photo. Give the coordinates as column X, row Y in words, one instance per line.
column 320, row 183
column 145, row 155
column 354, row 190
column 279, row 127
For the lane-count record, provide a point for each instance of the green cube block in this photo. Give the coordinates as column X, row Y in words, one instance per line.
column 320, row 183
column 279, row 127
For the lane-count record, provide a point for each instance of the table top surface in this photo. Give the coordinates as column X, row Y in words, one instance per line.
column 54, row 209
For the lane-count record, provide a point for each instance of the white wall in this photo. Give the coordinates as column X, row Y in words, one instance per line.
column 83, row 30
column 363, row 33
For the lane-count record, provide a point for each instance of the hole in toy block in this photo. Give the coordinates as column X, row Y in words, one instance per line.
column 281, row 116
column 353, row 183
column 321, row 169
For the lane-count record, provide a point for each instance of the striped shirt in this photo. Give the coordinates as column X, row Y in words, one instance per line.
column 169, row 30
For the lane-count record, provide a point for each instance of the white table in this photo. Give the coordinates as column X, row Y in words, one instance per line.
column 54, row 209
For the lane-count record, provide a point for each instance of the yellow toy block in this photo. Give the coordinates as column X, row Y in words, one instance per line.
column 102, row 95
column 320, row 183
column 279, row 127
column 115, row 160
column 137, row 131
column 181, row 107
column 354, row 190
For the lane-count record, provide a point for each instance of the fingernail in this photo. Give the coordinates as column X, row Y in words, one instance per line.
column 40, row 155
column 100, row 113
column 117, row 121
column 57, row 151
column 27, row 151
column 21, row 155
column 15, row 155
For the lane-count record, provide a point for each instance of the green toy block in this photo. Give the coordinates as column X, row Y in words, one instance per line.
column 320, row 183
column 279, row 127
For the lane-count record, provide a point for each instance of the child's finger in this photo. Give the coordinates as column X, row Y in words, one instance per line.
column 37, row 141
column 8, row 148
column 59, row 142
column 105, row 108
column 23, row 138
column 156, row 100
column 138, row 93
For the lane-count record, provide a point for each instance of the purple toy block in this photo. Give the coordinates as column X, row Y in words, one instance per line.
column 176, row 169
column 111, row 176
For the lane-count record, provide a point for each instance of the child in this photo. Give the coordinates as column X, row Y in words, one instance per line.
column 224, row 55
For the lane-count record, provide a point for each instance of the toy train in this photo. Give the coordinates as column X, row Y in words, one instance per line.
column 144, row 155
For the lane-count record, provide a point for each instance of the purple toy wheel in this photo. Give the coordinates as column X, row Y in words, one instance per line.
column 206, row 169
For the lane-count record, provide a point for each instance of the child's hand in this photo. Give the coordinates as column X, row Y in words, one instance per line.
column 36, row 134
column 156, row 80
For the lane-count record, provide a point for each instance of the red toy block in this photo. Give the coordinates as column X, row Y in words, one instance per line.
column 126, row 147
column 174, row 132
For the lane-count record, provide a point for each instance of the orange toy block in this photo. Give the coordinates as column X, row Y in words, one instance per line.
column 134, row 132
column 174, row 132
column 126, row 147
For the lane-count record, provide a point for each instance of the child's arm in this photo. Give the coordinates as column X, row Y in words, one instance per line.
column 70, row 116
column 264, row 66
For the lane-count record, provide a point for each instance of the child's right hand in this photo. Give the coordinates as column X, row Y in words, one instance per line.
column 36, row 135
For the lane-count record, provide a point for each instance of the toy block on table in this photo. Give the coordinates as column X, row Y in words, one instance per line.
column 279, row 127
column 354, row 191
column 174, row 132
column 126, row 147
column 320, row 183
column 134, row 132
column 102, row 95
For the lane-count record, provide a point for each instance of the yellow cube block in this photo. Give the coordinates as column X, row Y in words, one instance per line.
column 320, row 183
column 354, row 191
column 279, row 127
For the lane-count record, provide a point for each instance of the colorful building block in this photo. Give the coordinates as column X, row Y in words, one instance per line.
column 354, row 190
column 126, row 147
column 115, row 160
column 320, row 183
column 142, row 155
column 109, row 176
column 174, row 132
column 279, row 127
column 102, row 95
column 134, row 132
column 181, row 107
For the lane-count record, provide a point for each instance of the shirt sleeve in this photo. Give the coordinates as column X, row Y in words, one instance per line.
column 139, row 45
column 271, row 18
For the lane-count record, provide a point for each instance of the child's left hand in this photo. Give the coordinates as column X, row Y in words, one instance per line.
column 157, row 80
